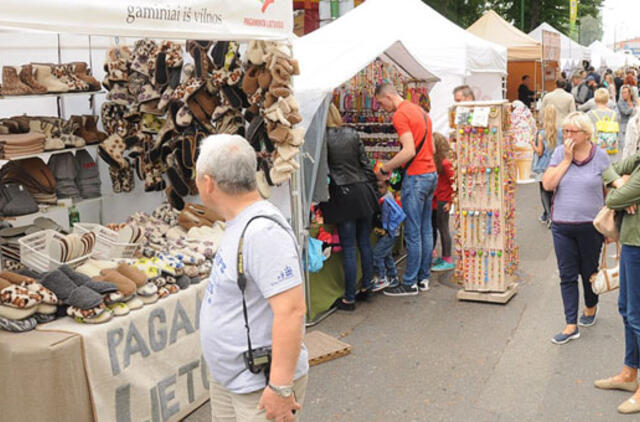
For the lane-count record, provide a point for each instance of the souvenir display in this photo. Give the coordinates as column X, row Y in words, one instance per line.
column 484, row 196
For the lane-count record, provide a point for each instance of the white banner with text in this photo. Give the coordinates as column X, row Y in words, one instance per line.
column 169, row 19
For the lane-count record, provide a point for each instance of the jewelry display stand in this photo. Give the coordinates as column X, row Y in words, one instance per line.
column 486, row 252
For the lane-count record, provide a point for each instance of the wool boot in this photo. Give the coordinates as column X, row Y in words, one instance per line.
column 45, row 77
column 90, row 122
column 26, row 76
column 81, row 130
column 11, row 83
column 81, row 71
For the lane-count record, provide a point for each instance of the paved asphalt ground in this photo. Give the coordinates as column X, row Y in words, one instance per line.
column 433, row 358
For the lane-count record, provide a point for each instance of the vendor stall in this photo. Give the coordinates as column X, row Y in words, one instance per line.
column 129, row 348
column 571, row 54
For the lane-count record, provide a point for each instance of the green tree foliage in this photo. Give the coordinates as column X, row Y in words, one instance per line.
column 554, row 12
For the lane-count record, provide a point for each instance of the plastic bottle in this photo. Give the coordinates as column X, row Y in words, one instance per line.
column 74, row 215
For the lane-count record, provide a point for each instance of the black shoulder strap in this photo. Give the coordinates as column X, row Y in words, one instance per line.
column 419, row 147
column 242, row 278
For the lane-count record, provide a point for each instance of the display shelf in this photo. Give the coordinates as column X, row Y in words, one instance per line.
column 89, row 210
column 51, row 95
column 93, row 150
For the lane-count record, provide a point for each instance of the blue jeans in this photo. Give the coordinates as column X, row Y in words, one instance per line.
column 383, row 262
column 417, row 195
column 629, row 302
column 577, row 249
column 351, row 233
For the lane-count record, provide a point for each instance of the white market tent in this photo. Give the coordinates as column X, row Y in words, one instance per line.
column 571, row 53
column 602, row 56
column 520, row 46
column 332, row 54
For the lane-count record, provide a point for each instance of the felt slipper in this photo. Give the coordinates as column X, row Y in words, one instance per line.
column 279, row 133
column 218, row 53
column 114, row 297
column 11, row 313
column 163, row 292
column 75, row 312
column 297, row 136
column 161, row 74
column 287, row 151
column 118, row 309
column 149, row 289
column 134, row 303
column 172, row 288
column 125, row 286
column 59, row 284
column 111, row 150
column 102, row 287
column 256, row 52
column 47, row 296
column 176, row 178
column 190, row 270
column 4, row 283
column 19, row 297
column 84, row 298
column 46, row 223
column 18, row 326
column 15, row 278
column 46, row 309
column 133, row 274
column 196, row 280
column 264, row 79
column 174, row 199
column 250, row 80
column 233, row 95
column 148, row 300
column 183, row 282
column 263, row 186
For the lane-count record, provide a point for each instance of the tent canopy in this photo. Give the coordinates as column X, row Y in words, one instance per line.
column 602, row 56
column 493, row 27
column 188, row 19
column 570, row 51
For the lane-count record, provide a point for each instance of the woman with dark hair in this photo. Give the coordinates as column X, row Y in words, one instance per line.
column 351, row 206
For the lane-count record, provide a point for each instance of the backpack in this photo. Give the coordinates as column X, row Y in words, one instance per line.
column 607, row 130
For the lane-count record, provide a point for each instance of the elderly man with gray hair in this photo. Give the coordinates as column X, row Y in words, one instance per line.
column 252, row 315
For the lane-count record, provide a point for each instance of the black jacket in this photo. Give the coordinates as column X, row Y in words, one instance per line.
column 348, row 162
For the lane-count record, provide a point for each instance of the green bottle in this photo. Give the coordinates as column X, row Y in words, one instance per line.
column 74, row 216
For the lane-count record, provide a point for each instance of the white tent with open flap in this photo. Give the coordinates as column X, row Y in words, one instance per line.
column 571, row 53
column 453, row 54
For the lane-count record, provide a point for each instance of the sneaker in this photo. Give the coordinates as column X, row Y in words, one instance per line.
column 436, row 262
column 363, row 295
column 587, row 321
column 394, row 282
column 423, row 285
column 563, row 338
column 379, row 284
column 343, row 306
column 401, row 290
column 443, row 266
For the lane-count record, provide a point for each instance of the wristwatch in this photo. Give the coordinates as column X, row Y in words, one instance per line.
column 282, row 390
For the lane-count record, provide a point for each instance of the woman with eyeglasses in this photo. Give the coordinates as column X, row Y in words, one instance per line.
column 575, row 174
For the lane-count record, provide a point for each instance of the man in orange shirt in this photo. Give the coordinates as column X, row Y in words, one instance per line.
column 418, row 185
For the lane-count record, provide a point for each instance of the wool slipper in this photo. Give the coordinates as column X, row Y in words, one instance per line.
column 161, row 72
column 59, row 284
column 47, row 309
column 133, row 274
column 106, row 316
column 125, row 285
column 15, row 278
column 102, row 287
column 84, row 298
column 287, row 151
column 250, row 80
column 4, row 283
column 256, row 52
column 172, row 288
column 134, row 303
column 15, row 313
column 149, row 289
column 297, row 136
column 48, row 297
column 148, row 300
column 264, row 79
column 119, row 309
column 176, row 178
column 262, row 185
column 183, row 282
column 279, row 133
column 114, row 297
column 14, row 326
column 196, row 280
column 19, row 297
column 75, row 312
column 163, row 292
column 78, row 278
column 174, row 199
column 218, row 53
column 44, row 318
column 111, row 150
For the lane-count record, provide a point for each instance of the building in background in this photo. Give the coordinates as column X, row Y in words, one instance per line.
column 310, row 15
column 631, row 46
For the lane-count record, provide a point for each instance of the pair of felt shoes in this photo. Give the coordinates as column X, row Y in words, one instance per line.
column 21, row 297
column 196, row 215
column 86, row 298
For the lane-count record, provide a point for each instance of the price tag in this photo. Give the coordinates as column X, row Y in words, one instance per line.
column 480, row 117
column 462, row 115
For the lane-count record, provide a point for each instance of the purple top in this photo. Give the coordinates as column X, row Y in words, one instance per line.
column 580, row 193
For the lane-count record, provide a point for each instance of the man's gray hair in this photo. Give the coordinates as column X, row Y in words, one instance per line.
column 230, row 161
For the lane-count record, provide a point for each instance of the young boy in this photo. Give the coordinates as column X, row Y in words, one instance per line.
column 391, row 216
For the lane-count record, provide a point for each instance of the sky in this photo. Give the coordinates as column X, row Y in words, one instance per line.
column 620, row 20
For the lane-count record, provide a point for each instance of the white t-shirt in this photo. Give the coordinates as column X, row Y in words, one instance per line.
column 272, row 266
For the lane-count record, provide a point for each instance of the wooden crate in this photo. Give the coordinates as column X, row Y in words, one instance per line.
column 322, row 347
